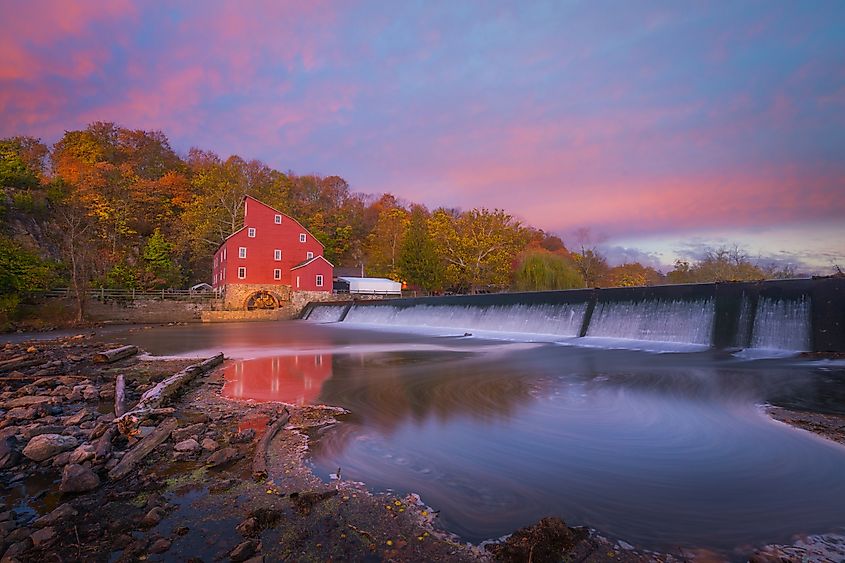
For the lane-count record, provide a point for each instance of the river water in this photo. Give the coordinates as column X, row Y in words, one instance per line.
column 663, row 450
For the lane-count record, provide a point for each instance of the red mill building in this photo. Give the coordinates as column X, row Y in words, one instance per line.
column 272, row 255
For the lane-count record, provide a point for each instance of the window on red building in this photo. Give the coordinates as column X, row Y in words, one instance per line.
column 242, row 273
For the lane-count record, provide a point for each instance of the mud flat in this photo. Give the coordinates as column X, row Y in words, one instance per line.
column 186, row 480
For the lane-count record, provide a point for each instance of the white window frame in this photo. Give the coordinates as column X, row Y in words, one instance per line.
column 250, row 232
column 278, row 219
column 277, row 254
column 224, row 254
column 309, row 255
column 242, row 273
column 318, row 281
column 241, row 252
column 302, row 237
column 277, row 274
column 297, row 282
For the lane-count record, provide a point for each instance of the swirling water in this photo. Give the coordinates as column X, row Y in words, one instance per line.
column 661, row 450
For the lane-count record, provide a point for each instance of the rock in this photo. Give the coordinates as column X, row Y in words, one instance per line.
column 78, row 479
column 256, row 559
column 9, row 455
column 192, row 431
column 27, row 401
column 78, row 418
column 60, row 513
column 107, row 393
column 90, row 393
column 244, row 550
column 83, row 453
column 189, row 445
column 209, row 445
column 62, row 459
column 5, row 516
column 243, row 437
column 43, row 536
column 16, row 549
column 19, row 534
column 223, row 457
column 248, row 527
column 160, row 546
column 32, row 431
column 31, row 350
column 21, row 413
column 153, row 517
column 46, row 446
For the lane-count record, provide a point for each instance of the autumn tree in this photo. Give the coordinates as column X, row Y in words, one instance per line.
column 477, row 246
column 721, row 264
column 22, row 162
column 385, row 241
column 418, row 263
column 539, row 270
column 632, row 274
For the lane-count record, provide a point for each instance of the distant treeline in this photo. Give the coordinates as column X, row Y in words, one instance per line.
column 112, row 207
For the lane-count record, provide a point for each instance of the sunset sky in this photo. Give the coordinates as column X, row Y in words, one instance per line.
column 665, row 127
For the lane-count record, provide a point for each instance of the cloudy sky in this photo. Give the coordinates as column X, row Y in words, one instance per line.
column 665, row 127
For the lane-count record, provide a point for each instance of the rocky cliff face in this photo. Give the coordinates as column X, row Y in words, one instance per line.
column 29, row 224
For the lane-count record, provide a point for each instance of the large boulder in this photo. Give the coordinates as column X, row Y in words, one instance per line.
column 78, row 479
column 45, row 446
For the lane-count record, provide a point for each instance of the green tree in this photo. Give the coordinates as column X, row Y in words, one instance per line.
column 540, row 270
column 162, row 269
column 21, row 162
column 21, row 271
column 418, row 264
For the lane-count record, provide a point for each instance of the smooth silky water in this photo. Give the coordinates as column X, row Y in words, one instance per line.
column 662, row 450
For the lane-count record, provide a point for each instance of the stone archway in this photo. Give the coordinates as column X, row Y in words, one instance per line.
column 262, row 300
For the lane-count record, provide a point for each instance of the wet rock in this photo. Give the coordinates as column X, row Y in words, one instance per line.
column 43, row 536
column 209, row 445
column 78, row 479
column 83, row 453
column 244, row 550
column 248, row 527
column 26, row 401
column 61, row 512
column 222, row 457
column 192, row 431
column 153, row 517
column 160, row 546
column 46, row 446
column 243, row 437
column 189, row 445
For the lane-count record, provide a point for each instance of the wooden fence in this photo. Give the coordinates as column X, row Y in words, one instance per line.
column 106, row 294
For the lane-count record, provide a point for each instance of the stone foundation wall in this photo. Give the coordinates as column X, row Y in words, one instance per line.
column 149, row 311
column 237, row 295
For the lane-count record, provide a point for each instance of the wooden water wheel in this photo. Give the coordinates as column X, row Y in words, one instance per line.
column 262, row 300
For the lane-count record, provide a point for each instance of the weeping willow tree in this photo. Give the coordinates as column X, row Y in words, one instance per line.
column 540, row 270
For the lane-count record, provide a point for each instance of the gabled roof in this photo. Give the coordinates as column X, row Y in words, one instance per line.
column 286, row 215
column 303, row 264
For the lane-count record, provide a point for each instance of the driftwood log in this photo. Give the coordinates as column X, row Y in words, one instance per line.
column 19, row 362
column 119, row 396
column 259, row 462
column 153, row 398
column 110, row 356
column 143, row 448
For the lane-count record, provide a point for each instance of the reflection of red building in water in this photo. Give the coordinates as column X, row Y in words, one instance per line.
column 287, row 379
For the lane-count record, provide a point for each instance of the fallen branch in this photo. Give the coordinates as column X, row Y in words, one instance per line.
column 111, row 356
column 21, row 362
column 119, row 396
column 143, row 448
column 162, row 392
column 259, row 462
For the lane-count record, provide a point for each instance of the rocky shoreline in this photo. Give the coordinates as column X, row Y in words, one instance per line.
column 185, row 482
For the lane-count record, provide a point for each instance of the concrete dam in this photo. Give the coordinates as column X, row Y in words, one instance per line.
column 781, row 315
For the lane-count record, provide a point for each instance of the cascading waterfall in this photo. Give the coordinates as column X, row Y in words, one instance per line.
column 782, row 324
column 326, row 313
column 562, row 319
column 743, row 325
column 689, row 322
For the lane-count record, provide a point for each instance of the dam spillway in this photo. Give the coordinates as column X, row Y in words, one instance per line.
column 788, row 315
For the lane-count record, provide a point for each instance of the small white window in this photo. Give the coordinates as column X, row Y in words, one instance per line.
column 241, row 273
column 242, row 252
column 215, row 278
column 309, row 255
column 250, row 232
column 319, row 280
column 301, row 237
column 297, row 281
column 224, row 254
column 277, row 274
column 278, row 219
column 277, row 254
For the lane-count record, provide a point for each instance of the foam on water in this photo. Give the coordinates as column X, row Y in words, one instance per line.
column 559, row 319
column 689, row 322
